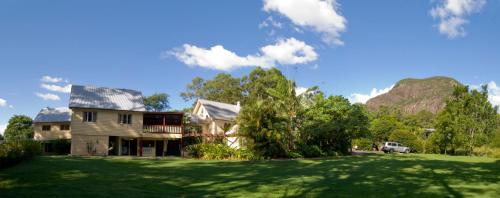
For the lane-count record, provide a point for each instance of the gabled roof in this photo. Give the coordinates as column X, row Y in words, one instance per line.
column 61, row 114
column 219, row 110
column 91, row 97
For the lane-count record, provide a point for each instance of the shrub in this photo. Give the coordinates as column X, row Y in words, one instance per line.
column 213, row 151
column 60, row 146
column 364, row 144
column 487, row 151
column 310, row 151
column 15, row 151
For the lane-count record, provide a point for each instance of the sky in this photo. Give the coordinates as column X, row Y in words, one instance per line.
column 358, row 49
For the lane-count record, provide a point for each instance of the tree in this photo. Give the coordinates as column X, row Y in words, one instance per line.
column 467, row 121
column 157, row 102
column 382, row 127
column 268, row 118
column 19, row 127
column 223, row 88
column 331, row 123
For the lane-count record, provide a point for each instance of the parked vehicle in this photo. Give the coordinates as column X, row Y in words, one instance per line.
column 391, row 147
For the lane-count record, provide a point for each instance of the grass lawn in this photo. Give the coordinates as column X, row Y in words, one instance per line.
column 352, row 176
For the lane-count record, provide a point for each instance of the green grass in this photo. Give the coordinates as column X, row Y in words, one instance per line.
column 353, row 176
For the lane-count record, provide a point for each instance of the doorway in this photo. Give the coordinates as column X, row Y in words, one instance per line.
column 174, row 147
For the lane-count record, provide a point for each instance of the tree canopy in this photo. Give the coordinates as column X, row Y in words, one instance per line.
column 467, row 121
column 19, row 127
column 157, row 102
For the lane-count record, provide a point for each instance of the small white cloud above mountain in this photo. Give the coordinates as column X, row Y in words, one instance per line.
column 363, row 98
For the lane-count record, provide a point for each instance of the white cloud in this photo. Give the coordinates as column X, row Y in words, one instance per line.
column 494, row 94
column 48, row 96
column 270, row 22
column 285, row 52
column 50, row 79
column 300, row 90
column 2, row 128
column 363, row 98
column 57, row 88
column 3, row 102
column 320, row 15
column 452, row 15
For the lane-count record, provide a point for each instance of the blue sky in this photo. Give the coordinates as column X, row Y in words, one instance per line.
column 354, row 48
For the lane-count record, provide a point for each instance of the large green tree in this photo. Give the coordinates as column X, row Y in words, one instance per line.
column 268, row 116
column 332, row 122
column 157, row 102
column 467, row 121
column 19, row 127
column 222, row 88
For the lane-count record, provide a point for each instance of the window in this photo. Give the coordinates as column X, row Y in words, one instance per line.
column 125, row 118
column 89, row 116
column 46, row 128
column 64, row 127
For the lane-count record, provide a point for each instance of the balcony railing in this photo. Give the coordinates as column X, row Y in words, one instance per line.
column 162, row 129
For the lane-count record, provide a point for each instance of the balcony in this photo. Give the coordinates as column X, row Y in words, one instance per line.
column 173, row 129
column 163, row 122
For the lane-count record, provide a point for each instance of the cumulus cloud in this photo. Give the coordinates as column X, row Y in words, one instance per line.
column 51, row 79
column 494, row 94
column 57, row 88
column 452, row 15
column 321, row 16
column 270, row 22
column 285, row 52
column 48, row 96
column 363, row 98
column 300, row 90
column 2, row 128
column 3, row 102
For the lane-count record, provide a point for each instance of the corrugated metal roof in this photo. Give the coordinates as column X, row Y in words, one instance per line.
column 61, row 114
column 221, row 111
column 106, row 98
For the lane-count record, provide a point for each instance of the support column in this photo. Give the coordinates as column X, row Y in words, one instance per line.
column 164, row 147
column 139, row 146
column 119, row 146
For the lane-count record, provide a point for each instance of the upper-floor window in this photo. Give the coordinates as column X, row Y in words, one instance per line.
column 89, row 116
column 64, row 127
column 45, row 127
column 125, row 118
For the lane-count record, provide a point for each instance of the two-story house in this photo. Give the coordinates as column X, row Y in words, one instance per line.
column 52, row 124
column 217, row 119
column 108, row 121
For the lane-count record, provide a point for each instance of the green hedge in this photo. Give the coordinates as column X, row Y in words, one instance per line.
column 15, row 151
column 213, row 151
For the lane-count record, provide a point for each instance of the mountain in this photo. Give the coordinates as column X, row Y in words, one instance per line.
column 414, row 95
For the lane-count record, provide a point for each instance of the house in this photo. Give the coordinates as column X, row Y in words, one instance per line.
column 52, row 124
column 109, row 121
column 217, row 120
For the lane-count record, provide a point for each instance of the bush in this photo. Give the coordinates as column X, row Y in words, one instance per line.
column 60, row 146
column 310, row 151
column 364, row 144
column 212, row 151
column 15, row 151
column 487, row 151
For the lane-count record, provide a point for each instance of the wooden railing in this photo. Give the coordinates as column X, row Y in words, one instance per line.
column 162, row 129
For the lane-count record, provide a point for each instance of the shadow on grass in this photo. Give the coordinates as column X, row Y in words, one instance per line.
column 354, row 176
